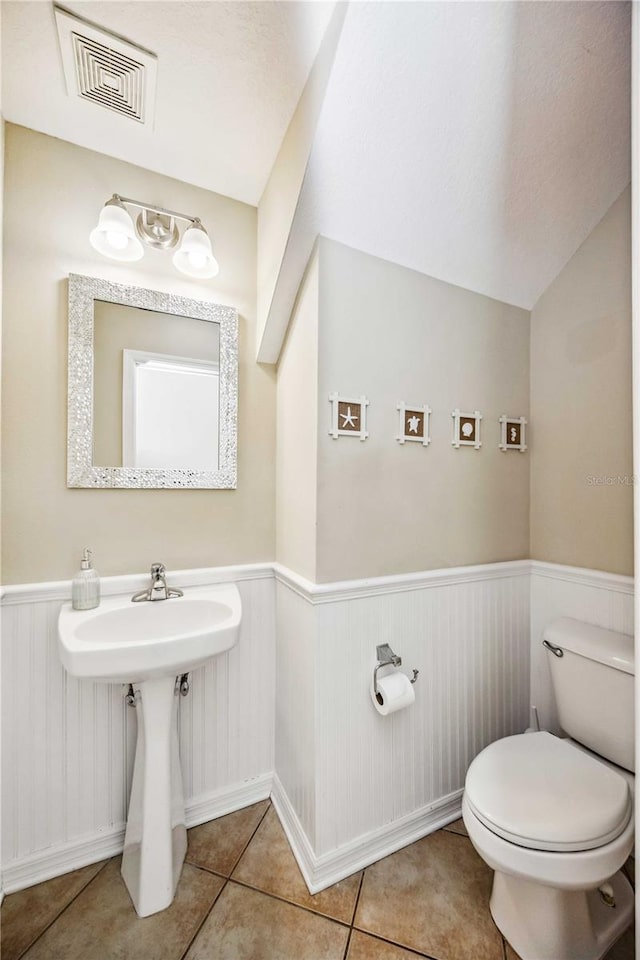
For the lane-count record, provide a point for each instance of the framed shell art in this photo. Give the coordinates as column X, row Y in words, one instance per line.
column 466, row 429
column 348, row 416
column 513, row 433
column 414, row 423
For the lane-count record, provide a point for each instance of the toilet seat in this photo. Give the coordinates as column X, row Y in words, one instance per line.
column 540, row 792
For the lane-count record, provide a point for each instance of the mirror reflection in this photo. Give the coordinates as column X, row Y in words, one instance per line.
column 156, row 389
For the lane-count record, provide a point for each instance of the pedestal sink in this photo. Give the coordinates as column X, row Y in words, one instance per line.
column 150, row 645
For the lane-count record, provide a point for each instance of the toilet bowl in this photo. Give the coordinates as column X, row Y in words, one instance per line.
column 554, row 819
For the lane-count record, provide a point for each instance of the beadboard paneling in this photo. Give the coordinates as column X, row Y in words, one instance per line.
column 352, row 785
column 68, row 745
column 296, row 743
column 603, row 599
column 469, row 638
column 470, row 643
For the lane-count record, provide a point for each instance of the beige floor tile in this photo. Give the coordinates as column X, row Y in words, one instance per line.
column 365, row 947
column 433, row 897
column 269, row 865
column 26, row 914
column 218, row 844
column 248, row 925
column 101, row 924
column 457, row 827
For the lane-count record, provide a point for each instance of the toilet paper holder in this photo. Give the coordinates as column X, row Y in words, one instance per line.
column 387, row 658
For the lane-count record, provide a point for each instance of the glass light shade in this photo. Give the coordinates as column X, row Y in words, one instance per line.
column 194, row 255
column 115, row 236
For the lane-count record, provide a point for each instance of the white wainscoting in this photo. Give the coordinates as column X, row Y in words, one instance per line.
column 349, row 785
column 604, row 599
column 377, row 783
column 68, row 745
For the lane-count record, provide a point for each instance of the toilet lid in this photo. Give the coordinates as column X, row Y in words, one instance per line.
column 541, row 792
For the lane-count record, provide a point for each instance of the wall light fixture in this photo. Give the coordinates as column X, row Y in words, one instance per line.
column 116, row 237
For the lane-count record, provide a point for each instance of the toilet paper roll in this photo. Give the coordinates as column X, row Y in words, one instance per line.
column 395, row 692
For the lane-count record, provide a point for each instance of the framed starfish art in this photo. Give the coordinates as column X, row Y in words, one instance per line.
column 348, row 416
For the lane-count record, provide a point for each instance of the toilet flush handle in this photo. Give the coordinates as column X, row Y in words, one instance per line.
column 556, row 651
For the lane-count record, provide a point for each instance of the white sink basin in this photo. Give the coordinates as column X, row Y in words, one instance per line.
column 125, row 642
column 147, row 645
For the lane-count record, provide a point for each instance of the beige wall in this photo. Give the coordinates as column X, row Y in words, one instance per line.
column 394, row 334
column 297, row 433
column 53, row 194
column 581, row 463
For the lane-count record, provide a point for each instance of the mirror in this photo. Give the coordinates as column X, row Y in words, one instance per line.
column 152, row 389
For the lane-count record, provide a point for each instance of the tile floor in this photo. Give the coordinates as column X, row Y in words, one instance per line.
column 241, row 897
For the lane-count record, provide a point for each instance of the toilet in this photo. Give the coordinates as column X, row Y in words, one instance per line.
column 553, row 817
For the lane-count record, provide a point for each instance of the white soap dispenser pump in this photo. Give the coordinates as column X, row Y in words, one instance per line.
column 85, row 586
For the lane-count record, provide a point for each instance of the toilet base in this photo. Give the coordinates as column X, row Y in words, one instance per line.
column 546, row 923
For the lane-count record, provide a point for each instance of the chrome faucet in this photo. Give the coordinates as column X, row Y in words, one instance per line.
column 158, row 589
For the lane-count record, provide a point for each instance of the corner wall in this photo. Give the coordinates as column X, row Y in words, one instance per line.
column 581, row 410
column 297, row 433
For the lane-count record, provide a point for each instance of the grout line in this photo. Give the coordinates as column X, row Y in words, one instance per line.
column 219, row 873
column 292, row 903
column 394, row 943
column 257, row 827
column 455, row 833
column 347, row 945
column 224, row 885
column 204, row 919
column 199, row 866
column 66, row 907
column 355, row 906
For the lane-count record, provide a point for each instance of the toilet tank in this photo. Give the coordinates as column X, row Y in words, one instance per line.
column 593, row 683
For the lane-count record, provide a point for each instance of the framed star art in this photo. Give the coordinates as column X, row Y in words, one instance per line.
column 348, row 416
column 414, row 424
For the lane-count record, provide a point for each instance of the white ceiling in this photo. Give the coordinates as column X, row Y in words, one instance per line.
column 229, row 77
column 479, row 143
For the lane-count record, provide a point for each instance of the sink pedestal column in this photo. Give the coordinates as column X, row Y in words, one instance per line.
column 155, row 842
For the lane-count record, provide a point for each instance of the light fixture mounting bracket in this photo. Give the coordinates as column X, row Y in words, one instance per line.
column 156, row 226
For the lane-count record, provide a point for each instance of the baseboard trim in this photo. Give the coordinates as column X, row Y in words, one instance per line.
column 321, row 872
column 65, row 857
column 211, row 806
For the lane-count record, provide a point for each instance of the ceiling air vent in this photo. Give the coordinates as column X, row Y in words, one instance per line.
column 104, row 69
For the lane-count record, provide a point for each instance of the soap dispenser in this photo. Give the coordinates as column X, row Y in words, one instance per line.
column 85, row 586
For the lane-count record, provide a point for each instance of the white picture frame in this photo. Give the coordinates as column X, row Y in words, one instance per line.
column 414, row 423
column 466, row 429
column 348, row 416
column 513, row 434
